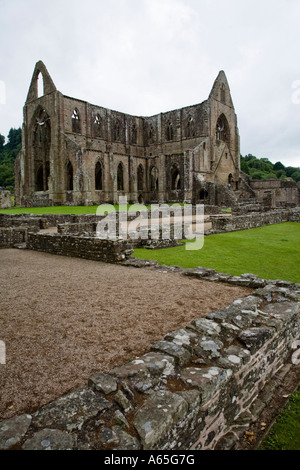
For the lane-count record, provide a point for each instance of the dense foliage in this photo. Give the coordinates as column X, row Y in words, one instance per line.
column 262, row 168
column 8, row 153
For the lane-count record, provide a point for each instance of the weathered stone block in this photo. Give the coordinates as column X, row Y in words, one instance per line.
column 229, row 332
column 207, row 380
column 13, row 430
column 255, row 338
column 71, row 411
column 145, row 372
column 209, row 348
column 50, row 439
column 161, row 413
column 124, row 440
column 180, row 354
column 104, row 383
column 205, row 327
column 183, row 337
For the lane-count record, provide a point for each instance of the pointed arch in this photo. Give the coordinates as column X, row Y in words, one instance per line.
column 222, row 129
column 48, row 85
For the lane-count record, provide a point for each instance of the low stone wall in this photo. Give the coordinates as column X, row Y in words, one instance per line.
column 30, row 222
column 200, row 387
column 46, row 220
column 82, row 228
column 10, row 237
column 80, row 247
column 252, row 220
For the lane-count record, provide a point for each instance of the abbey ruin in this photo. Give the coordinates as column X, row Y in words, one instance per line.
column 77, row 153
column 201, row 386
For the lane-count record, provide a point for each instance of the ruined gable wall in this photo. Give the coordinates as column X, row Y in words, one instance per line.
column 220, row 103
column 31, row 112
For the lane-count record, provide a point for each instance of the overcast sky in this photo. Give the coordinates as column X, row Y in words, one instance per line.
column 143, row 57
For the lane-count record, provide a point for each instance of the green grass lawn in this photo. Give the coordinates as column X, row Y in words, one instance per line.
column 285, row 433
column 271, row 252
column 76, row 210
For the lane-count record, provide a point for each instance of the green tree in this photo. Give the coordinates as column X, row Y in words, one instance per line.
column 296, row 176
column 8, row 153
column 278, row 166
column 280, row 174
column 244, row 166
column 2, row 140
column 14, row 138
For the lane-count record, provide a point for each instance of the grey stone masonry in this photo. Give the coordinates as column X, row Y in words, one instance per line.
column 252, row 220
column 199, row 388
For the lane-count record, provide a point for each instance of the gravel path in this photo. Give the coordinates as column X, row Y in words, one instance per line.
column 63, row 319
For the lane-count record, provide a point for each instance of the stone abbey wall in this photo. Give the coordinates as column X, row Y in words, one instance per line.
column 243, row 222
column 80, row 247
column 280, row 192
column 197, row 389
column 77, row 153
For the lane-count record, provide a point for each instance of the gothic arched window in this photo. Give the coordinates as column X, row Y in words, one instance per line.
column 40, row 85
column 41, row 149
column 97, row 126
column 76, row 121
column 222, row 129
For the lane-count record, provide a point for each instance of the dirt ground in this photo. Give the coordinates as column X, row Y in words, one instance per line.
column 64, row 319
